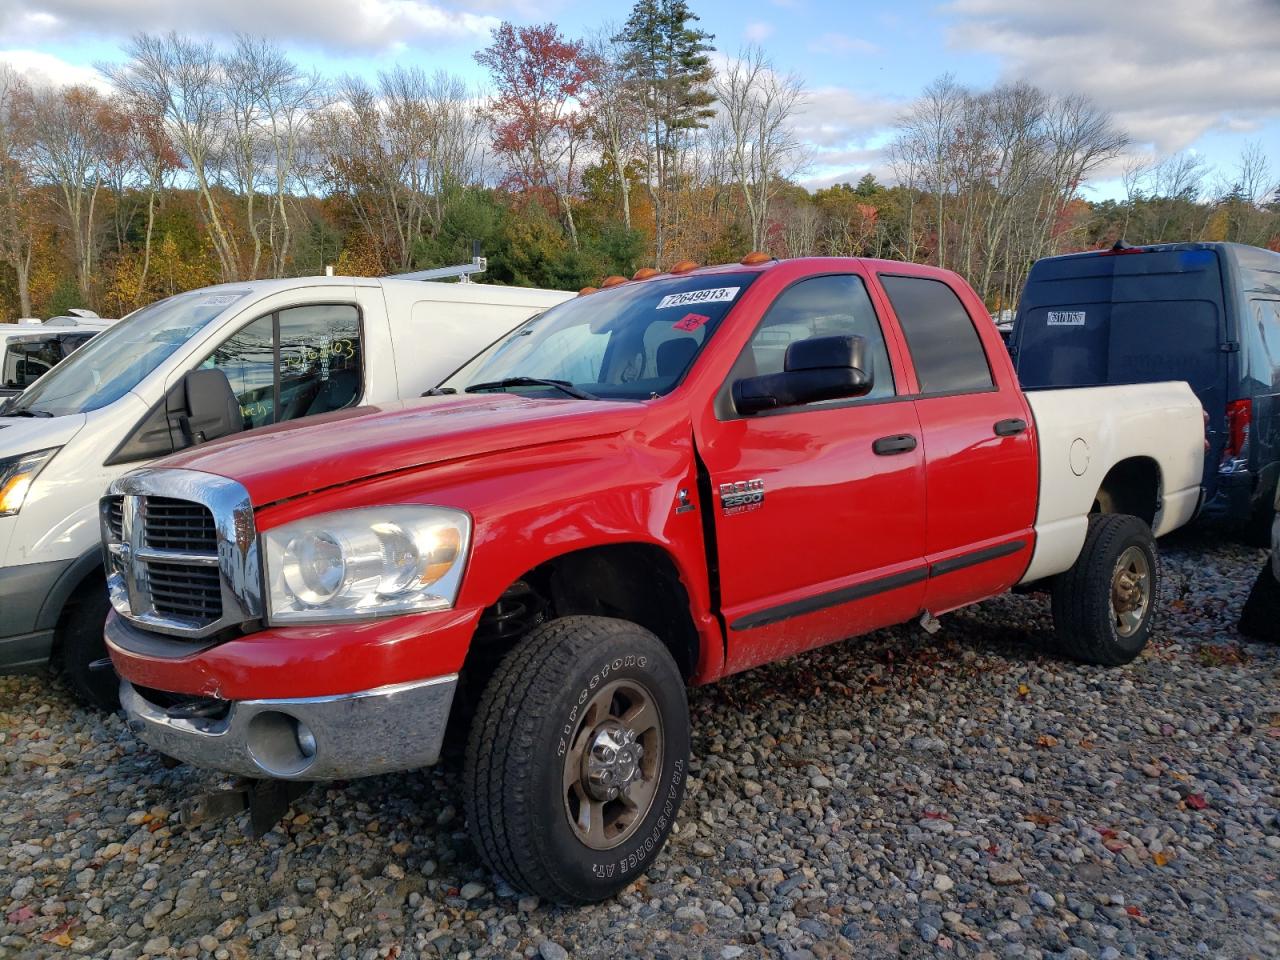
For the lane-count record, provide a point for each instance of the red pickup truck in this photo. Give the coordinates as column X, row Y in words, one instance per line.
column 652, row 485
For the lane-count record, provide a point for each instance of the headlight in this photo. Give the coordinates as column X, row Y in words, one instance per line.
column 16, row 476
column 358, row 564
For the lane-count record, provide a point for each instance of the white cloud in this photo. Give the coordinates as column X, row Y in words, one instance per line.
column 842, row 43
column 758, row 31
column 344, row 25
column 1169, row 70
column 846, row 131
column 46, row 70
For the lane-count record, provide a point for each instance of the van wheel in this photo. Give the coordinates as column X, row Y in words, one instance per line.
column 1260, row 618
column 577, row 758
column 81, row 643
column 1103, row 605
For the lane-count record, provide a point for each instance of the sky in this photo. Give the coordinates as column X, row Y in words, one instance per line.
column 1178, row 75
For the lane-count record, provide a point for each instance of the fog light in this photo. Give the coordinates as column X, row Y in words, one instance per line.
column 280, row 744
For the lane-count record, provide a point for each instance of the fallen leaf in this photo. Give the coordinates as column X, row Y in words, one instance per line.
column 1045, row 740
column 1023, row 689
column 933, row 815
column 1161, row 858
column 1196, row 801
column 1132, row 911
column 20, row 915
column 60, row 934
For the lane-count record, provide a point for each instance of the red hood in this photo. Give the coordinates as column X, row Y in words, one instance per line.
column 291, row 459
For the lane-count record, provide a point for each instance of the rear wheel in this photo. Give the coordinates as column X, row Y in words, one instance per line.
column 1260, row 618
column 1103, row 605
column 577, row 758
column 80, row 640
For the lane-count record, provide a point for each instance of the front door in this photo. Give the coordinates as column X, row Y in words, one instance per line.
column 819, row 509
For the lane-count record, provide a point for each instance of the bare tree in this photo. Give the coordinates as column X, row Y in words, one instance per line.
column 399, row 153
column 180, row 79
column 616, row 114
column 67, row 151
column 19, row 212
column 757, row 105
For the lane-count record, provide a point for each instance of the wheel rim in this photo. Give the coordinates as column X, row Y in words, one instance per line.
column 611, row 768
column 1130, row 591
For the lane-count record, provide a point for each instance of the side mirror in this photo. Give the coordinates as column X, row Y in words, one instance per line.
column 819, row 368
column 210, row 408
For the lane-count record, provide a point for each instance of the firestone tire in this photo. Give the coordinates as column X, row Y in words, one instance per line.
column 557, row 728
column 81, row 642
column 1103, row 606
column 1260, row 619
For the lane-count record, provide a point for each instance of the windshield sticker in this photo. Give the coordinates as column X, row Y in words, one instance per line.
column 694, row 297
column 690, row 322
column 220, row 299
column 1066, row 318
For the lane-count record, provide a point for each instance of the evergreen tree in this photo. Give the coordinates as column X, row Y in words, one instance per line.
column 666, row 57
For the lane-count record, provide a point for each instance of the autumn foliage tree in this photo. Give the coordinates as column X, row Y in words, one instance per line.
column 539, row 110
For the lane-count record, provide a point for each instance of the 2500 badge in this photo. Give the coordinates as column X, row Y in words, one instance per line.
column 741, row 496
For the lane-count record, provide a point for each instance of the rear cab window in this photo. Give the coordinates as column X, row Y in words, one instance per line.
column 943, row 343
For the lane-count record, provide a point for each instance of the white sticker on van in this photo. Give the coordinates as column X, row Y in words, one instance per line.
column 220, row 299
column 714, row 295
column 1066, row 318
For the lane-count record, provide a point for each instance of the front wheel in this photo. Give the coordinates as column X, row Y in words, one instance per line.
column 577, row 759
column 82, row 645
column 1103, row 605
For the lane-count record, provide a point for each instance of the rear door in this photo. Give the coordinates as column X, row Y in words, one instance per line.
column 819, row 518
column 979, row 445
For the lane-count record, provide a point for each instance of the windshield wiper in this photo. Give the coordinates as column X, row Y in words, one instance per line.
column 25, row 412
column 564, row 386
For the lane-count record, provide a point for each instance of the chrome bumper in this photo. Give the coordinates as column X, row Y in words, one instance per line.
column 392, row 728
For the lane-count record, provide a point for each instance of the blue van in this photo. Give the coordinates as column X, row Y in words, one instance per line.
column 1207, row 313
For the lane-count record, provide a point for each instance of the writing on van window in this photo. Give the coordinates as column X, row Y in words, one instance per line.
column 1066, row 318
column 220, row 299
column 324, row 351
column 689, row 297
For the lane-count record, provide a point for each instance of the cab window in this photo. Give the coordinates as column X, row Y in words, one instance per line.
column 829, row 306
column 293, row 363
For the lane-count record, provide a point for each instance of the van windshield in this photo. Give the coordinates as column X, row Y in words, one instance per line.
column 116, row 360
column 630, row 342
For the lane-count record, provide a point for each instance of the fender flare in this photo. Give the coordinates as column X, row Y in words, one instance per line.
column 66, row 584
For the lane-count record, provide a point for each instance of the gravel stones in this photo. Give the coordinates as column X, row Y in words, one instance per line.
column 967, row 794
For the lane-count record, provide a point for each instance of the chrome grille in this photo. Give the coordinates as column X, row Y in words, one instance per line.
column 185, row 591
column 115, row 517
column 181, row 552
column 170, row 524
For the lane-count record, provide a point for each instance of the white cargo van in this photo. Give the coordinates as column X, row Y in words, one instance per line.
column 28, row 351
column 158, row 381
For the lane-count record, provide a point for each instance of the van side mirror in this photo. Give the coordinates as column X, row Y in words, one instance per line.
column 819, row 368
column 211, row 409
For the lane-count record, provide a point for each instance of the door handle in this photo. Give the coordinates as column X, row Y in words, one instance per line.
column 899, row 443
column 1011, row 427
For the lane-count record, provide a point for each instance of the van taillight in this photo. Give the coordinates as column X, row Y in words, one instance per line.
column 1239, row 415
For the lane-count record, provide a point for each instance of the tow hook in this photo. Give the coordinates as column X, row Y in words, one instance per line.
column 266, row 800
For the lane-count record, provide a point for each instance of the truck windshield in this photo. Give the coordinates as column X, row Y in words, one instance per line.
column 116, row 360
column 630, row 342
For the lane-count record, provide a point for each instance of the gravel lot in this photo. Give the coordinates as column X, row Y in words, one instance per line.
column 963, row 794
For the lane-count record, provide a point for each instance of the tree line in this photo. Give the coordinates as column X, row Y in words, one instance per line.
column 580, row 157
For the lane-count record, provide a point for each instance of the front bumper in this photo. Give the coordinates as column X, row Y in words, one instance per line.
column 399, row 727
